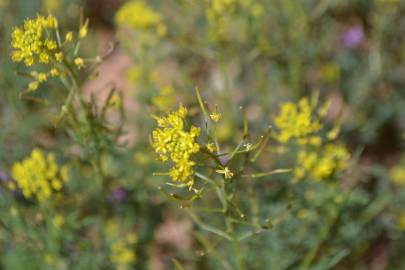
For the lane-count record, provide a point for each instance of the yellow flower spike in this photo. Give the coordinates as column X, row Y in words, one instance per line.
column 226, row 172
column 69, row 37
column 79, row 62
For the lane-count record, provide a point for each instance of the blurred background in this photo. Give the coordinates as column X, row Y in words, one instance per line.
column 251, row 53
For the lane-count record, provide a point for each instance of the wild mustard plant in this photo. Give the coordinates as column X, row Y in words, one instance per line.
column 212, row 172
column 39, row 176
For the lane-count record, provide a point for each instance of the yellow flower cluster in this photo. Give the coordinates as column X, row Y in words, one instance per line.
column 37, row 42
column 172, row 141
column 397, row 174
column 39, row 176
column 298, row 122
column 33, row 42
column 322, row 162
column 139, row 16
column 122, row 255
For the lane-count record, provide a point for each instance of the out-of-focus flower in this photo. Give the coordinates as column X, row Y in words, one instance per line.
column 397, row 174
column 39, row 176
column 322, row 162
column 165, row 101
column 139, row 16
column 296, row 122
column 119, row 194
column 215, row 116
column 122, row 255
column 211, row 147
column 79, row 62
column 58, row 220
column 4, row 177
column 353, row 36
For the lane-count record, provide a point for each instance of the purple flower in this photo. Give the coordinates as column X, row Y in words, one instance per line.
column 119, row 194
column 4, row 176
column 353, row 36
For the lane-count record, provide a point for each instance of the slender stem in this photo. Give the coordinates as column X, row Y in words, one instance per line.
column 239, row 257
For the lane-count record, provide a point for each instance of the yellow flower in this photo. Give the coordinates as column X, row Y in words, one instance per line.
column 211, row 147
column 165, row 100
column 172, row 142
column 54, row 72
column 397, row 174
column 42, row 77
column 69, row 37
column 58, row 221
column 79, row 62
column 139, row 16
column 296, row 121
column 215, row 116
column 122, row 255
column 226, row 172
column 38, row 175
column 33, row 85
column 59, row 56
